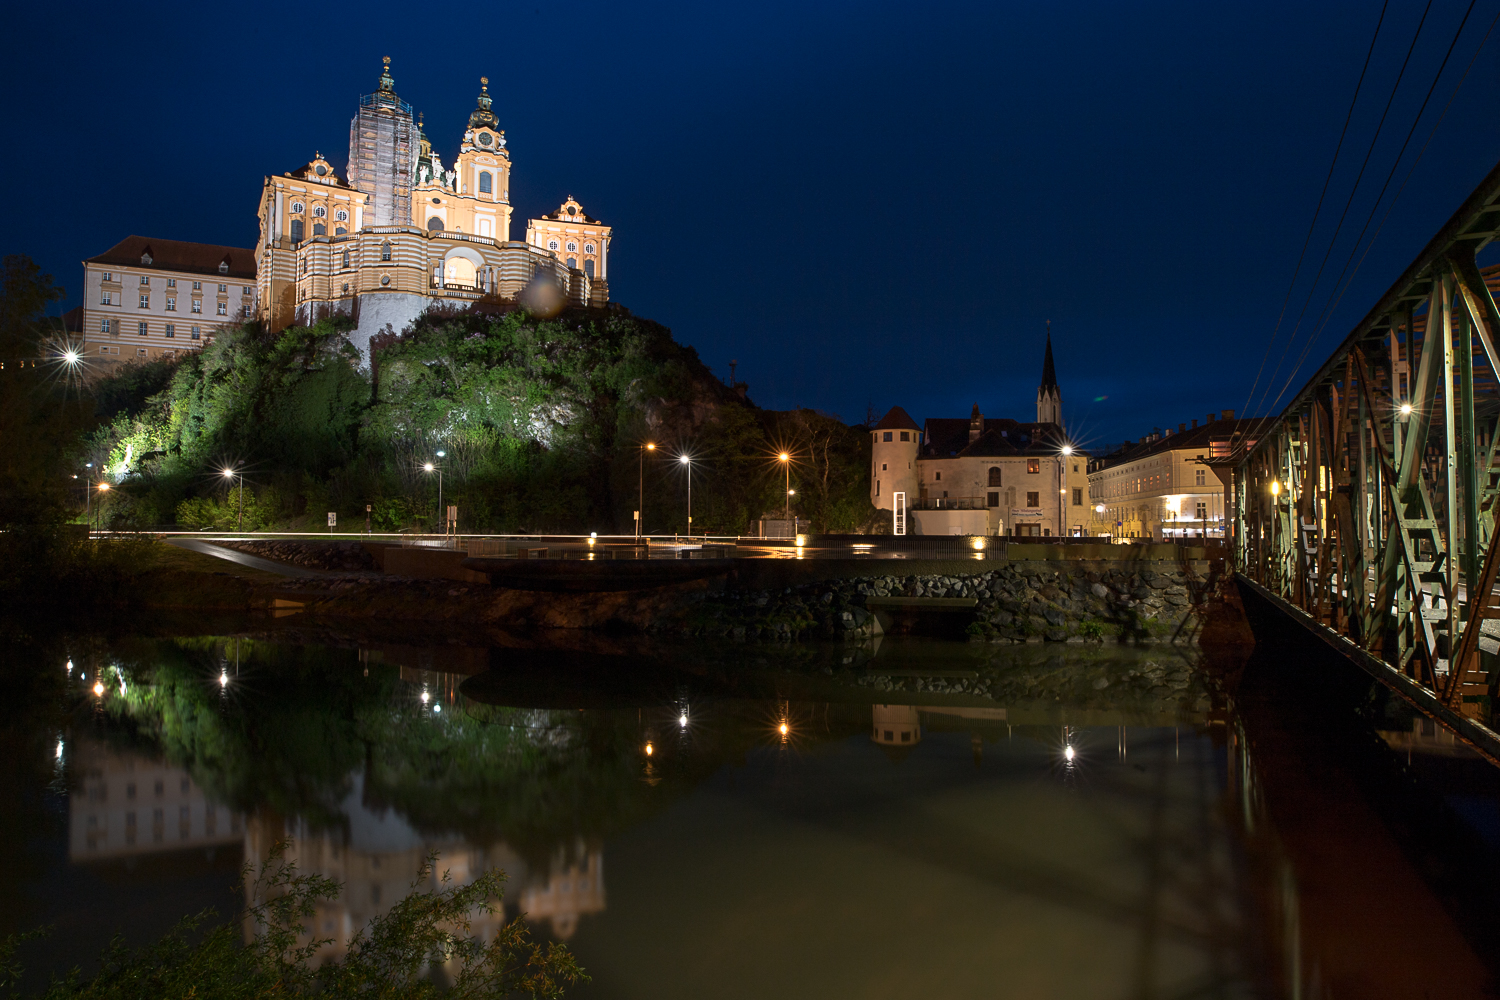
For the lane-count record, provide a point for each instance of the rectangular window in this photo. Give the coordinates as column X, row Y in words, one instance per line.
column 1033, row 499
column 140, row 352
column 906, row 435
column 886, row 436
column 1077, row 490
column 195, row 333
column 171, row 330
column 171, row 282
column 883, row 467
column 171, row 304
column 223, row 288
column 223, row 308
column 197, row 305
column 109, row 276
column 104, row 326
column 145, row 280
column 1033, row 466
column 938, row 476
column 141, row 329
column 109, row 298
column 1202, row 512
column 1200, row 477
column 247, row 290
column 993, row 499
column 145, row 300
column 197, row 286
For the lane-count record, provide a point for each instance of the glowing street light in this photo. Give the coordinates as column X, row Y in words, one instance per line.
column 1275, row 488
column 230, row 474
column 687, row 460
column 1067, row 449
column 1406, row 409
column 640, row 514
column 429, row 468
column 785, row 459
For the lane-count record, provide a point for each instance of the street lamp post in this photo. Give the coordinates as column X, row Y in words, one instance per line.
column 1062, row 490
column 429, row 467
column 786, row 460
column 103, row 488
column 640, row 514
column 688, row 461
column 230, row 474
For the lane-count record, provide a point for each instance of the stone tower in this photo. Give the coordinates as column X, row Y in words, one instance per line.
column 1048, row 395
column 383, row 147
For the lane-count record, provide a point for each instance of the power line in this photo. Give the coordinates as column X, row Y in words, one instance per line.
column 1339, row 285
column 1359, row 178
column 1319, row 208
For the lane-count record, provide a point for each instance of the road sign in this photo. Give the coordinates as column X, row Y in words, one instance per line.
column 333, row 519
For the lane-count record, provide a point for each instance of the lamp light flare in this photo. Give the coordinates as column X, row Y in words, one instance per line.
column 70, row 668
column 427, row 468
column 784, row 457
column 425, row 697
column 1275, row 488
column 228, row 473
column 1067, row 449
column 442, row 454
column 682, row 720
column 437, row 709
column 98, row 689
column 1069, row 752
column 59, row 749
column 650, row 749
column 783, row 729
column 223, row 678
column 71, row 357
column 1406, row 409
column 684, row 460
column 650, row 445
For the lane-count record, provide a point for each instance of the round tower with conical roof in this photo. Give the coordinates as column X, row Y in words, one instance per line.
column 895, row 444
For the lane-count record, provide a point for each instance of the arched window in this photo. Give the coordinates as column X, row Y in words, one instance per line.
column 588, row 268
column 572, row 261
column 319, row 229
column 385, row 250
column 995, row 476
column 346, row 258
column 486, row 182
column 319, row 211
column 434, row 225
column 340, row 231
column 296, row 230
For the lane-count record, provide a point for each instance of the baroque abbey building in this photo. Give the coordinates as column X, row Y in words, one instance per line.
column 404, row 231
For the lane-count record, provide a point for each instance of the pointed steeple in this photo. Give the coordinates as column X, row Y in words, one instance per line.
column 1049, row 371
column 1048, row 394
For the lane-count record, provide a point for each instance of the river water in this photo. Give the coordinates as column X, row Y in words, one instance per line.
column 909, row 818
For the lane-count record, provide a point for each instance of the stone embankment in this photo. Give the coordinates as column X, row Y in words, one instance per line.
column 1016, row 602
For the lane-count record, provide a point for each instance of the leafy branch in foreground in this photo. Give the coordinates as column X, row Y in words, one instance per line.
column 393, row 958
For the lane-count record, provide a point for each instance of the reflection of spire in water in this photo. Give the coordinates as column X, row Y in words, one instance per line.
column 131, row 805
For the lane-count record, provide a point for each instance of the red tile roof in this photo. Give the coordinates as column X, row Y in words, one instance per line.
column 177, row 255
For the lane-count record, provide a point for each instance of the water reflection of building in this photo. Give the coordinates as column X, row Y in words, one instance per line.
column 901, row 725
column 130, row 804
column 377, row 857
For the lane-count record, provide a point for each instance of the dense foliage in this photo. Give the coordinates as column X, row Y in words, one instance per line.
column 393, row 956
column 537, row 425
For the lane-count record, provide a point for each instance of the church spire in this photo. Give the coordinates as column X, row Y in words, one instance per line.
column 1049, row 394
column 1049, row 371
column 387, row 84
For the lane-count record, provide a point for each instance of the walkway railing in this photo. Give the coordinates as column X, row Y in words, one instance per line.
column 1369, row 502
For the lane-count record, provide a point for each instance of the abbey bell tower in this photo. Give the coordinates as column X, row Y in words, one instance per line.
column 1048, row 395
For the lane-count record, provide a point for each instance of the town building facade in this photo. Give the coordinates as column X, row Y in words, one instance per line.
column 148, row 298
column 983, row 475
column 1161, row 487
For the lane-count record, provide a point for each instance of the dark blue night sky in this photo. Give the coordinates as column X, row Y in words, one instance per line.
column 865, row 204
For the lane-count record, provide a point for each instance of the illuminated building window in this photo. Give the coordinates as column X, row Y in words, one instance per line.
column 1078, row 496
column 1033, row 465
column 995, row 476
column 486, row 182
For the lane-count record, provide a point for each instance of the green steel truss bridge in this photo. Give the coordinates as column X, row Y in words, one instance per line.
column 1367, row 508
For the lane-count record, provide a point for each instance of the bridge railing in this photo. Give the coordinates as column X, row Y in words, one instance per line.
column 1369, row 502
